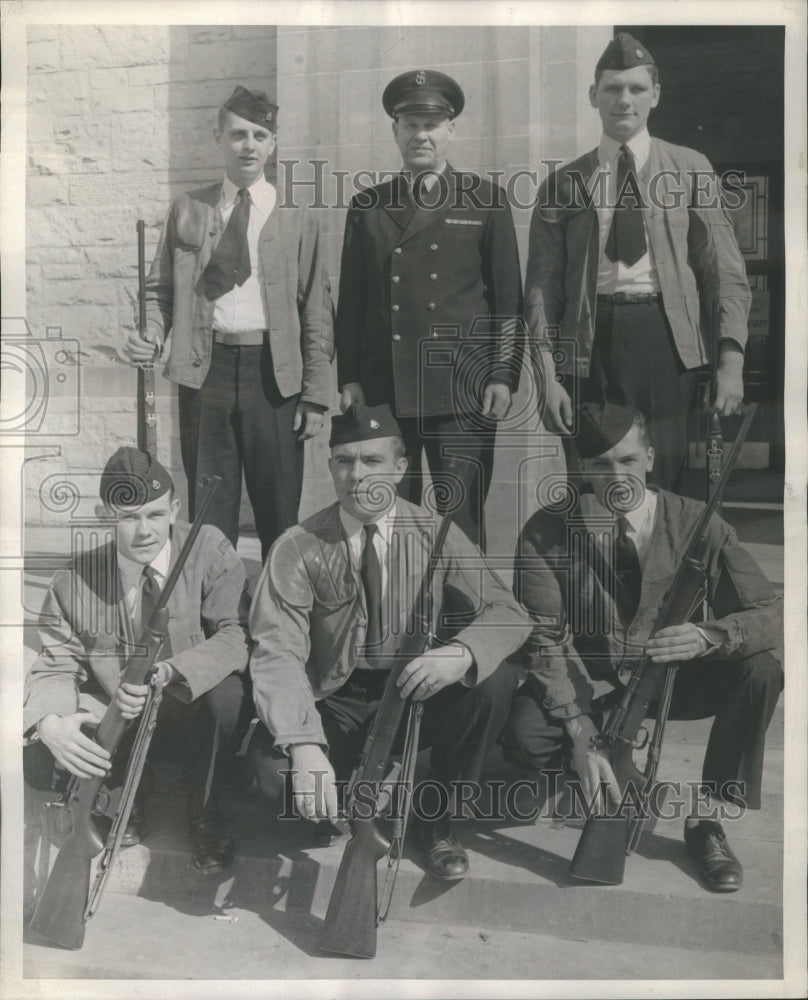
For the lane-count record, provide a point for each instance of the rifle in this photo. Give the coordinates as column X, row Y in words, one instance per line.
column 63, row 908
column 146, row 415
column 353, row 910
column 607, row 840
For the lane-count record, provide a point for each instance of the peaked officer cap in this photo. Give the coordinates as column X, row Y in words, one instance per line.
column 425, row 91
column 363, row 423
column 624, row 52
column 254, row 105
column 133, row 478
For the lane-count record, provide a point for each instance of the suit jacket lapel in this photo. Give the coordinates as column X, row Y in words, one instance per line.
column 396, row 201
column 424, row 217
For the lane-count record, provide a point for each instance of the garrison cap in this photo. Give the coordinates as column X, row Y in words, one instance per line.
column 425, row 91
column 601, row 426
column 624, row 52
column 133, row 478
column 363, row 423
column 254, row 105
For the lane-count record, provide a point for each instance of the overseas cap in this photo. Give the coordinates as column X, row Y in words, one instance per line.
column 363, row 423
column 601, row 426
column 425, row 91
column 133, row 478
column 254, row 105
column 624, row 52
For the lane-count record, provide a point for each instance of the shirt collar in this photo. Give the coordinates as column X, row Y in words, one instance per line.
column 353, row 526
column 640, row 519
column 132, row 571
column 609, row 149
column 262, row 193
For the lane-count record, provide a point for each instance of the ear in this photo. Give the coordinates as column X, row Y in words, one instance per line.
column 217, row 136
column 452, row 123
column 651, row 457
column 655, row 98
column 102, row 513
column 593, row 95
column 401, row 468
column 176, row 504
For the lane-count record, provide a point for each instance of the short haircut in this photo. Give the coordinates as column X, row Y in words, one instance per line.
column 652, row 69
column 399, row 448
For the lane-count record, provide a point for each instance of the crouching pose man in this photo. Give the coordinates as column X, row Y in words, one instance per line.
column 329, row 616
column 203, row 659
column 728, row 668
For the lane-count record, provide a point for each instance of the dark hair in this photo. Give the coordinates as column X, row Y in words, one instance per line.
column 651, row 67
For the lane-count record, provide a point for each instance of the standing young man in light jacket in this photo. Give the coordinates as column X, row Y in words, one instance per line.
column 238, row 281
column 633, row 257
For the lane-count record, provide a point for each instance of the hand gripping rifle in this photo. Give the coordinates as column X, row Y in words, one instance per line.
column 354, row 911
column 65, row 905
column 146, row 415
column 607, row 840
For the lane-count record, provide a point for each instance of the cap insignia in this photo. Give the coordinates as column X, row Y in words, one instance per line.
column 638, row 53
column 155, row 484
column 420, row 78
column 374, row 424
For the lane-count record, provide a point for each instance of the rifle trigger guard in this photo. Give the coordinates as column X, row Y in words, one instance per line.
column 642, row 741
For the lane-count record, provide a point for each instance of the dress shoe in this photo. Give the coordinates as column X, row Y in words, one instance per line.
column 445, row 858
column 136, row 829
column 213, row 847
column 719, row 869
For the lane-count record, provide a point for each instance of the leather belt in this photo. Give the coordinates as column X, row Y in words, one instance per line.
column 247, row 338
column 630, row 298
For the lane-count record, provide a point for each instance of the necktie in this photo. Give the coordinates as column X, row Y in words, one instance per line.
column 371, row 573
column 229, row 263
column 628, row 572
column 149, row 596
column 626, row 240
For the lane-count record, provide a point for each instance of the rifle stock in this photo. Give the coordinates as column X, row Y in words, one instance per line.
column 60, row 913
column 350, row 923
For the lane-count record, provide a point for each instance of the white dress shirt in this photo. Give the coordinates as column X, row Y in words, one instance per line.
column 615, row 276
column 243, row 309
column 640, row 521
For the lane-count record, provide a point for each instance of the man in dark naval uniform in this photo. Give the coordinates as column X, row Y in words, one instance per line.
column 430, row 295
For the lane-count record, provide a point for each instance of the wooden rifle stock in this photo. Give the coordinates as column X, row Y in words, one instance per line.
column 607, row 839
column 351, row 919
column 59, row 915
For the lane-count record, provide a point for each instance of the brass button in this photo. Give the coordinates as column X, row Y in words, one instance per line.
column 434, row 336
column 433, row 246
column 396, row 278
column 433, row 277
column 397, row 250
column 396, row 308
column 632, row 631
column 430, row 306
column 197, row 363
column 396, row 336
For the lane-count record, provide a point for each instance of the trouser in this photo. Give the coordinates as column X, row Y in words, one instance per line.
column 444, row 438
column 203, row 737
column 635, row 364
column 740, row 695
column 460, row 724
column 239, row 420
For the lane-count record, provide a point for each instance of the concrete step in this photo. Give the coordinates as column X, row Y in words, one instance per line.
column 137, row 938
column 519, row 878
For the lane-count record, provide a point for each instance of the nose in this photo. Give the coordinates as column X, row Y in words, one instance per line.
column 624, row 99
column 142, row 530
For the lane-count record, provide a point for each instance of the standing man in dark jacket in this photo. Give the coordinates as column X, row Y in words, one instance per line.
column 430, row 295
column 633, row 257
column 238, row 281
